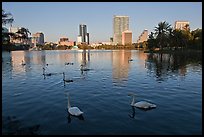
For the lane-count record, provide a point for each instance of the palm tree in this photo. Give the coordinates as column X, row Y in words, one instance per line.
column 151, row 42
column 7, row 18
column 177, row 39
column 162, row 32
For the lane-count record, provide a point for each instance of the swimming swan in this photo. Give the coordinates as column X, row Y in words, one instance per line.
column 48, row 74
column 84, row 68
column 66, row 80
column 130, row 59
column 75, row 111
column 23, row 64
column 68, row 63
column 141, row 104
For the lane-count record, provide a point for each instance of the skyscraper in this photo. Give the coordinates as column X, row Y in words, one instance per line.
column 120, row 24
column 143, row 37
column 83, row 34
column 127, row 37
column 38, row 38
column 83, row 31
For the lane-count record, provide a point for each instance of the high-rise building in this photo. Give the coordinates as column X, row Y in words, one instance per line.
column 87, row 38
column 83, row 36
column 120, row 24
column 79, row 39
column 182, row 25
column 83, row 32
column 143, row 37
column 126, row 37
column 38, row 38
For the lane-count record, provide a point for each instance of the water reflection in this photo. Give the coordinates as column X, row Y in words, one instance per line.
column 12, row 126
column 120, row 65
column 85, row 58
column 70, row 117
column 164, row 65
column 133, row 112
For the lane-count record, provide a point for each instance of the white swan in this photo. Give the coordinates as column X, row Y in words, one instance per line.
column 141, row 104
column 47, row 74
column 84, row 68
column 130, row 59
column 23, row 64
column 66, row 80
column 69, row 63
column 75, row 111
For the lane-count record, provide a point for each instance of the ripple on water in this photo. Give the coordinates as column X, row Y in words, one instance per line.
column 102, row 94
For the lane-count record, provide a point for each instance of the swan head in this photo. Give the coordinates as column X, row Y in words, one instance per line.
column 131, row 94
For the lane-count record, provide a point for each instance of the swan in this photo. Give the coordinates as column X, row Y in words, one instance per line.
column 75, row 111
column 141, row 104
column 23, row 64
column 84, row 68
column 48, row 74
column 68, row 63
column 66, row 80
column 130, row 59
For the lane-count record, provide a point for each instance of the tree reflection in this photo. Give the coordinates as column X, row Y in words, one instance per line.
column 163, row 65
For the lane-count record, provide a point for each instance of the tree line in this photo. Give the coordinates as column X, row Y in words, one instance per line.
column 21, row 35
column 165, row 37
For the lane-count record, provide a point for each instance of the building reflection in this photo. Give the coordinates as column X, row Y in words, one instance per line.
column 39, row 58
column 29, row 58
column 65, row 57
column 85, row 58
column 17, row 58
column 120, row 65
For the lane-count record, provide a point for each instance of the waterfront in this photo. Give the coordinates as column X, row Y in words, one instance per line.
column 38, row 105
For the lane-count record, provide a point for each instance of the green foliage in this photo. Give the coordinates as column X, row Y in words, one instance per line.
column 7, row 18
column 165, row 37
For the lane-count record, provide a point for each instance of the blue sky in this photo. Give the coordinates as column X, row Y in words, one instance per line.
column 59, row 19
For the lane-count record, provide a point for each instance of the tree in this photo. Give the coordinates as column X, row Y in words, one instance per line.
column 162, row 32
column 186, row 27
column 177, row 39
column 7, row 18
column 22, row 34
column 196, row 41
column 151, row 42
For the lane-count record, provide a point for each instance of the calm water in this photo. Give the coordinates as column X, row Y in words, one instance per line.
column 34, row 104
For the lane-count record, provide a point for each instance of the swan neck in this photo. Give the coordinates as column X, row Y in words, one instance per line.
column 63, row 76
column 69, row 106
column 133, row 100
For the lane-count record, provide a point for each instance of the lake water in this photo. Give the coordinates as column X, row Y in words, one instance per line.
column 34, row 104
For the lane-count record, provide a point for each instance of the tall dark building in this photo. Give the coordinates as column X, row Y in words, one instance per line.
column 87, row 38
column 83, row 35
column 83, row 32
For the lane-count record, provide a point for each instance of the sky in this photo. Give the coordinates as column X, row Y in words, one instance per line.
column 62, row 19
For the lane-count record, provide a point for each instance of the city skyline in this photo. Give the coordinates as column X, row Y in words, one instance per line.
column 56, row 20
